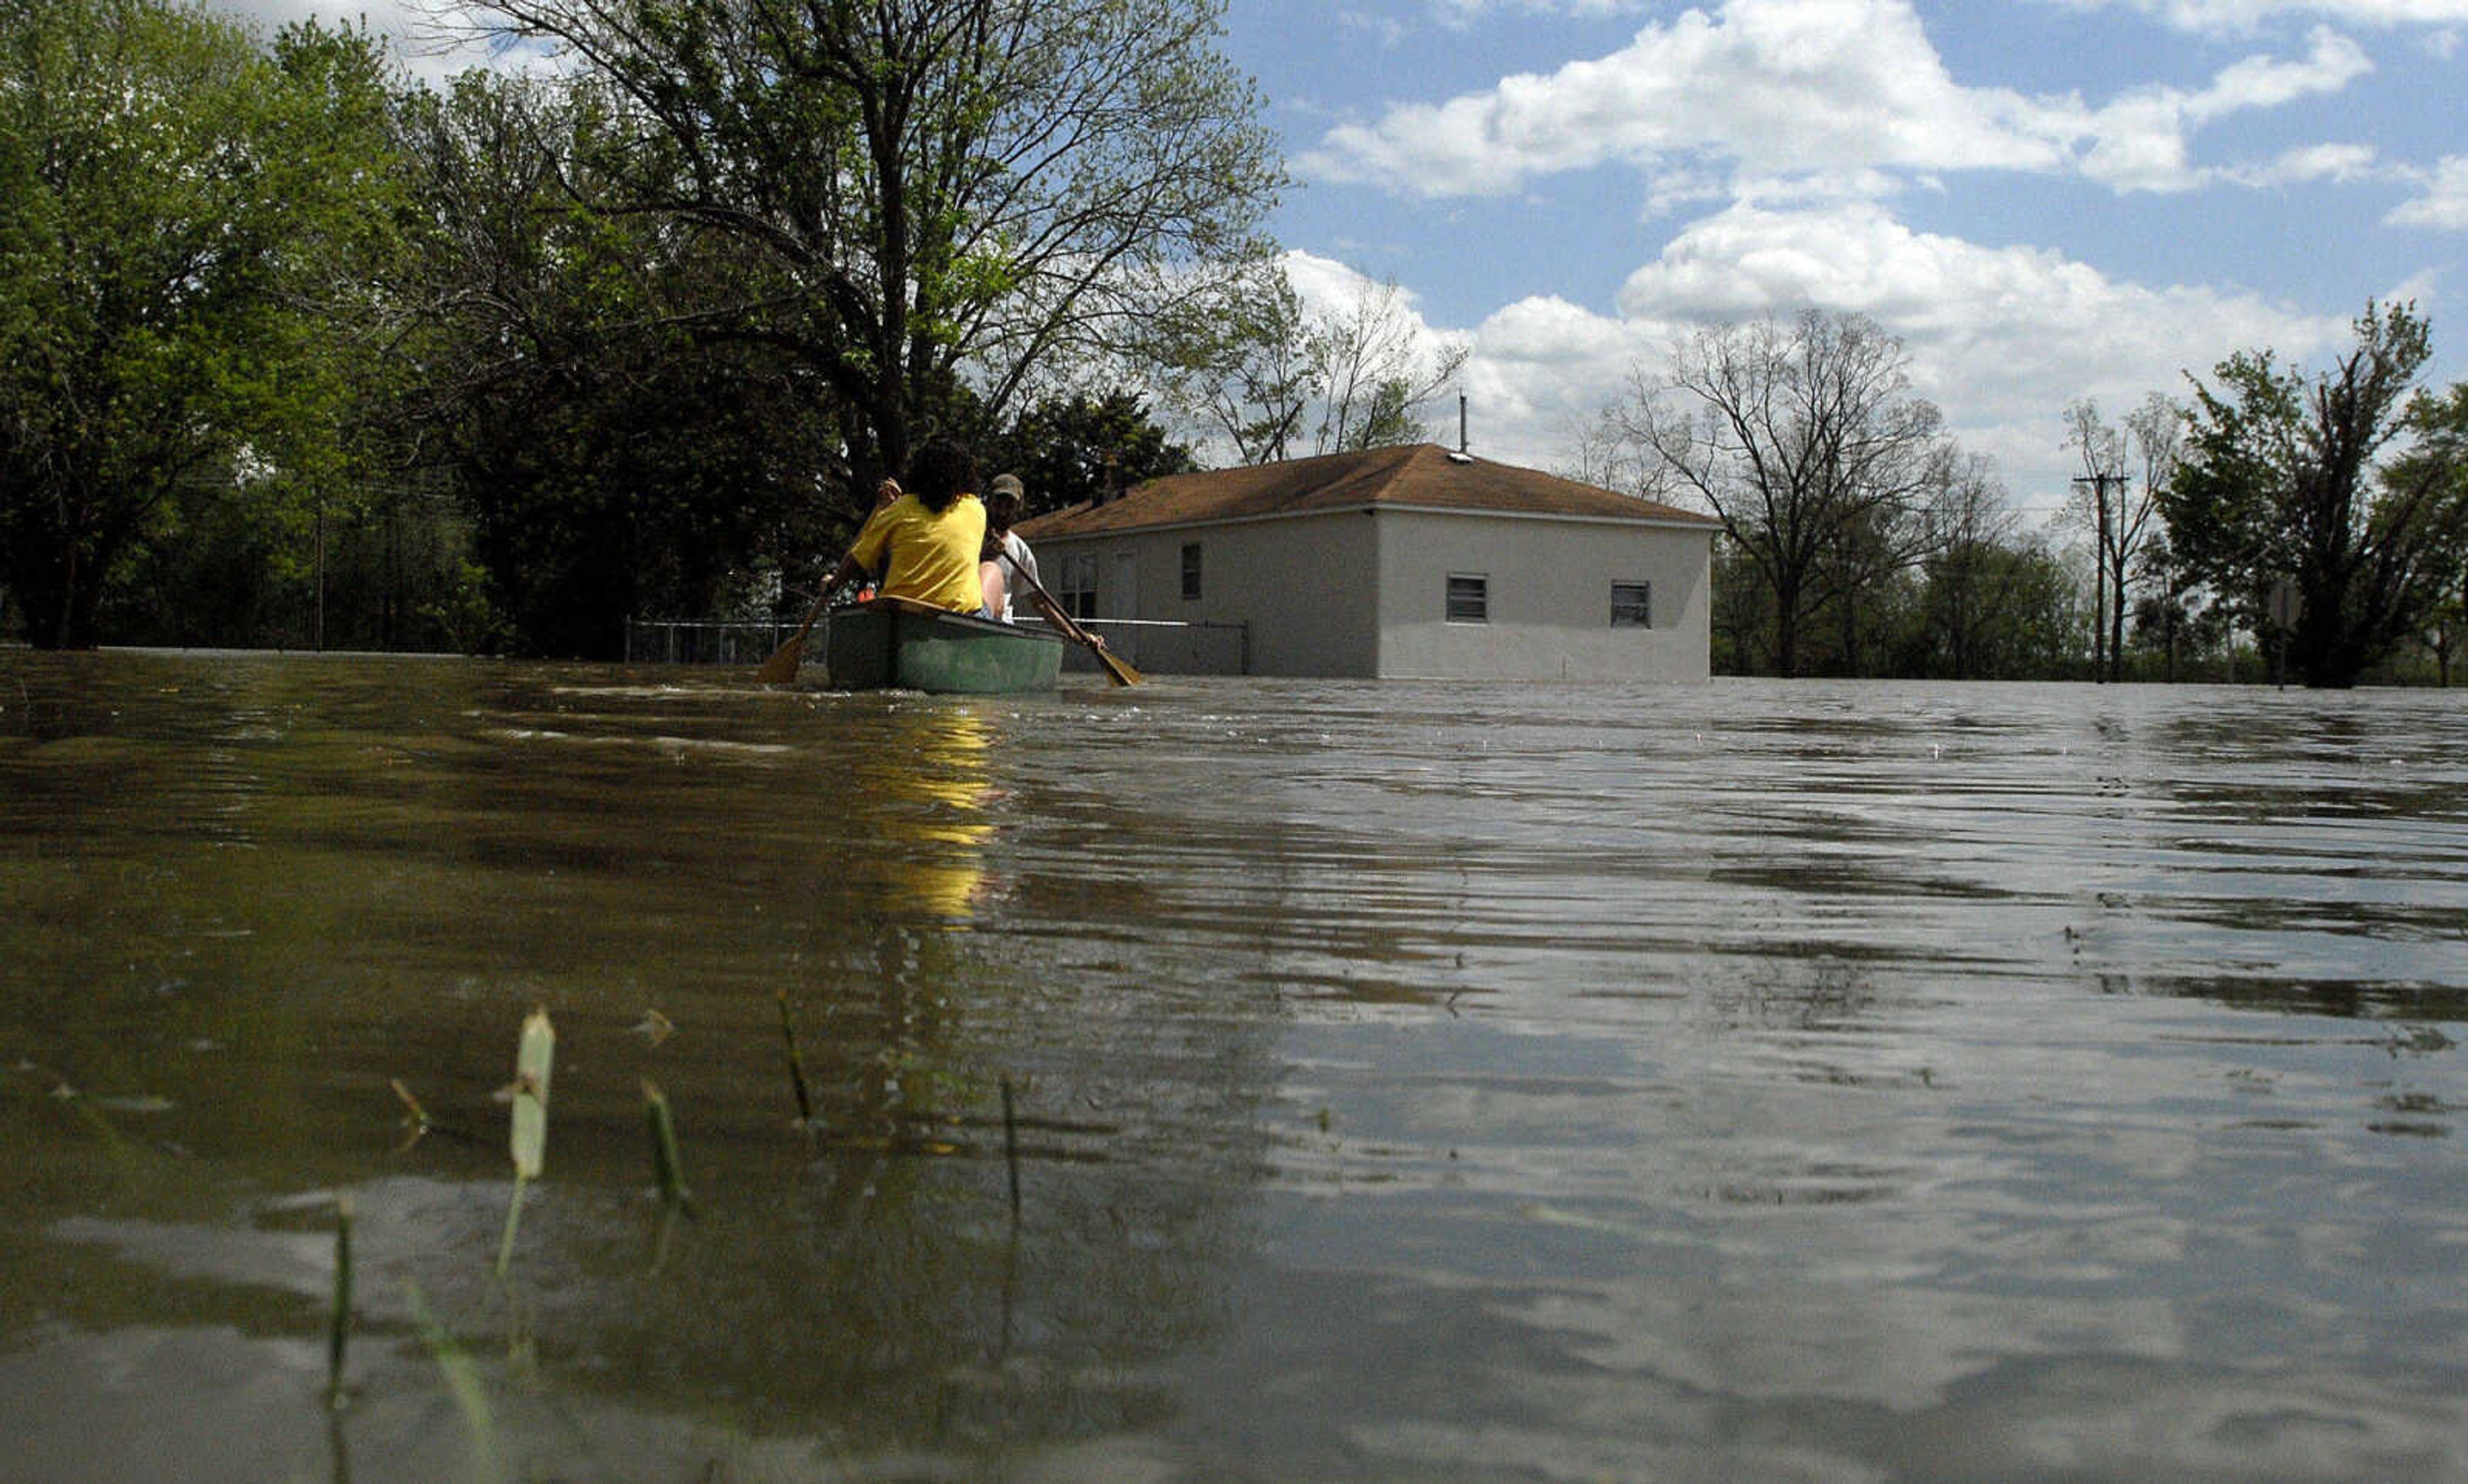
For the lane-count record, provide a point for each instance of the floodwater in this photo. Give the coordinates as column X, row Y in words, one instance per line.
column 1408, row 1083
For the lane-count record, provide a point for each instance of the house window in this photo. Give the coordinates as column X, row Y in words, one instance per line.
column 1632, row 604
column 1191, row 572
column 1077, row 594
column 1469, row 597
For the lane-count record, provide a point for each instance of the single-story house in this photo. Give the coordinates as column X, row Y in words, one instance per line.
column 1410, row 561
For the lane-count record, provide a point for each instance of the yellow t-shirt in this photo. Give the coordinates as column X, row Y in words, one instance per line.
column 925, row 556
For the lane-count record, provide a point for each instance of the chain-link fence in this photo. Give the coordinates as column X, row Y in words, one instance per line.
column 675, row 642
column 1163, row 647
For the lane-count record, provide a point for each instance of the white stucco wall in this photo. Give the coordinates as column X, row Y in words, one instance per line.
column 1364, row 593
column 1550, row 584
column 1300, row 584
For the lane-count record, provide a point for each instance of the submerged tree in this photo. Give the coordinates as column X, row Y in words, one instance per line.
column 1973, row 577
column 2287, row 478
column 2123, row 517
column 1805, row 438
column 2171, row 617
column 2437, row 465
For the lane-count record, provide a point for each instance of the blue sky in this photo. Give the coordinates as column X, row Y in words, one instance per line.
column 2046, row 199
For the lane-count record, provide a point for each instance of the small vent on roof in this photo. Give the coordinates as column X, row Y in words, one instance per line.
column 1459, row 456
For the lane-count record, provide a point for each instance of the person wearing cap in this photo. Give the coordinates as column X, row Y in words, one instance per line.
column 1009, row 571
column 1006, row 583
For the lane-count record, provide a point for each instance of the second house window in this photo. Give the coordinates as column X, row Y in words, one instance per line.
column 1469, row 597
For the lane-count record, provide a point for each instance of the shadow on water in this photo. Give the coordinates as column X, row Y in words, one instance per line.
column 1407, row 1082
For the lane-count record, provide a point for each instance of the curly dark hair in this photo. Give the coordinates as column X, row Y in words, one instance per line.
column 940, row 471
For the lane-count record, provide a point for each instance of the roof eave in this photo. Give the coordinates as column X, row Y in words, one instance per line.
column 1681, row 522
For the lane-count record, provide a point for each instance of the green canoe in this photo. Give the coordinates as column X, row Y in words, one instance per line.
column 889, row 644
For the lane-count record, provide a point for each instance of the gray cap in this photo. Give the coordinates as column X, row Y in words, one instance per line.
column 1007, row 484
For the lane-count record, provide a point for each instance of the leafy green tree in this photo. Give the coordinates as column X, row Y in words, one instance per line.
column 1864, row 593
column 2170, row 620
column 2040, row 635
column 616, row 457
column 1389, row 418
column 1264, row 370
column 1379, row 371
column 944, row 191
column 183, row 219
column 1985, row 603
column 2290, row 478
column 1248, row 366
column 2448, row 628
column 1067, row 450
column 1972, row 576
column 2438, row 466
column 314, row 534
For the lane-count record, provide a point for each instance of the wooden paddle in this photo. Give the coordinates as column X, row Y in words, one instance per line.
column 1119, row 669
column 782, row 666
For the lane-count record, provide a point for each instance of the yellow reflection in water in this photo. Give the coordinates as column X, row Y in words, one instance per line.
column 930, row 810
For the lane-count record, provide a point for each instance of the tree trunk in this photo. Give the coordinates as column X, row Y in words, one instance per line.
column 2116, row 623
column 60, row 613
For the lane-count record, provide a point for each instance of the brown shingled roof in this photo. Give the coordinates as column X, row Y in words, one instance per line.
column 1419, row 475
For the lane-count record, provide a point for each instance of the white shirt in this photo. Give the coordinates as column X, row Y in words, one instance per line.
column 1016, row 586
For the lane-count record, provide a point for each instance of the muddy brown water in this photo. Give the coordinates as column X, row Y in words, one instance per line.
column 1409, row 1082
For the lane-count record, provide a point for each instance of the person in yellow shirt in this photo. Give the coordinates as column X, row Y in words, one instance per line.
column 926, row 543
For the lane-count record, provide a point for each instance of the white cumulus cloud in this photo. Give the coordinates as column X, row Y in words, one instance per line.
column 432, row 39
column 2338, row 163
column 1778, row 86
column 1818, row 89
column 2244, row 16
column 2001, row 339
column 2444, row 204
